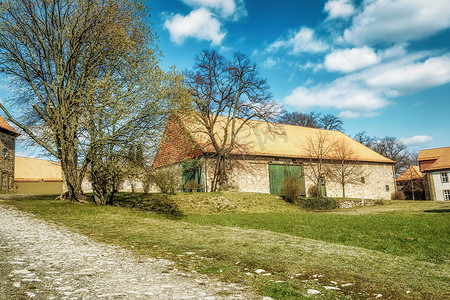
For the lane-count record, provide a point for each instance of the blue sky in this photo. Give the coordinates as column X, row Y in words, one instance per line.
column 382, row 66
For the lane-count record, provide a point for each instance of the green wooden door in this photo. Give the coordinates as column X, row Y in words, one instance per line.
column 276, row 177
column 192, row 176
column 279, row 173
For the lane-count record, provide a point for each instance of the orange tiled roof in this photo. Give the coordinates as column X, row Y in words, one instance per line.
column 4, row 125
column 412, row 172
column 277, row 140
column 439, row 159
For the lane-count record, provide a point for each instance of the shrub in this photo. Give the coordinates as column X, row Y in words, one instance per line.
column 313, row 191
column 315, row 203
column 398, row 195
column 166, row 180
column 291, row 190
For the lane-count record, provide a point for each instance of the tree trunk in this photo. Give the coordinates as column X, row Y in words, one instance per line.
column 104, row 195
column 220, row 179
column 72, row 177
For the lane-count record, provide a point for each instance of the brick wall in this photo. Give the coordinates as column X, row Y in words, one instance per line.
column 176, row 145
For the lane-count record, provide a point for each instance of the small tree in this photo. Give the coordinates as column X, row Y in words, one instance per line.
column 344, row 168
column 319, row 147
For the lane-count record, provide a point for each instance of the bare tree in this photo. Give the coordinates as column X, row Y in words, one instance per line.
column 343, row 168
column 63, row 56
column 331, row 122
column 312, row 119
column 226, row 95
column 364, row 139
column 298, row 118
column 319, row 148
column 392, row 148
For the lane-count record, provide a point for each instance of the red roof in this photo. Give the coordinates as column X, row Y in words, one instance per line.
column 412, row 172
column 5, row 126
column 434, row 159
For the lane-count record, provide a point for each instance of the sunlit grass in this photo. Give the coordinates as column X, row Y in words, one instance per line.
column 340, row 246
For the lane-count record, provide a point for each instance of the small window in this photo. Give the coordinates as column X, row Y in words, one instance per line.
column 363, row 180
column 5, row 153
column 444, row 177
column 446, row 194
column 387, row 188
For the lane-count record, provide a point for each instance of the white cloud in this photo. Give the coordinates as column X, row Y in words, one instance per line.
column 271, row 62
column 365, row 93
column 199, row 24
column 339, row 9
column 298, row 42
column 398, row 21
column 225, row 8
column 345, row 95
column 349, row 60
column 414, row 76
column 417, row 140
column 348, row 114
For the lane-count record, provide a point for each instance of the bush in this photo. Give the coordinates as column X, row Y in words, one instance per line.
column 166, row 180
column 291, row 190
column 324, row 203
column 313, row 191
column 398, row 195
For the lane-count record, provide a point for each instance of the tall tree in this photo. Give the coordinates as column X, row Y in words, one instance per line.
column 226, row 95
column 62, row 55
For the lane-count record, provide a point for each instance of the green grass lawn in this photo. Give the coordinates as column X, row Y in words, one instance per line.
column 421, row 236
column 388, row 250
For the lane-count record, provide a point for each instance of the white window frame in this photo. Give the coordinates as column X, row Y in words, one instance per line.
column 446, row 195
column 444, row 177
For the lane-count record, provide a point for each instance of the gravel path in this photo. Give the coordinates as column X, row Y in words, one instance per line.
column 40, row 260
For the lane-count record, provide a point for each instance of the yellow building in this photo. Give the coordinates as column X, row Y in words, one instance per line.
column 37, row 176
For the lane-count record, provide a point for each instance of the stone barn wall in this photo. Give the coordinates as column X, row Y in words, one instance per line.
column 252, row 175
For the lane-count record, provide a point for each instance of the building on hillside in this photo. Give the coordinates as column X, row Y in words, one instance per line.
column 268, row 154
column 413, row 184
column 435, row 164
column 37, row 176
column 7, row 144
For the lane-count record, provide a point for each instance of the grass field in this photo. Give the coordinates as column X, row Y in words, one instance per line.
column 399, row 250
